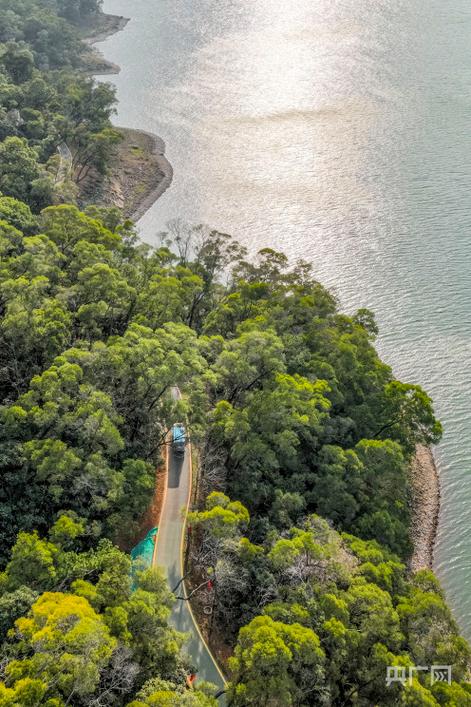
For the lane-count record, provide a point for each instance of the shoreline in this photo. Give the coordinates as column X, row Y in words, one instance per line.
column 112, row 25
column 424, row 475
column 137, row 176
column 425, row 486
column 152, row 190
column 166, row 169
column 94, row 61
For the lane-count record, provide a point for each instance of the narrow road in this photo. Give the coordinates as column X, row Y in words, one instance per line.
column 169, row 556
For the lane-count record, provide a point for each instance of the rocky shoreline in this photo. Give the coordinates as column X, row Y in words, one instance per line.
column 166, row 170
column 425, row 484
column 141, row 173
column 105, row 26
column 138, row 175
column 109, row 25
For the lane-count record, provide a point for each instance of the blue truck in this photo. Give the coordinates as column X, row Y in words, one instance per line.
column 178, row 439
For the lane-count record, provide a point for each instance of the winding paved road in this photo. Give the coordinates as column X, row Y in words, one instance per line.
column 169, row 556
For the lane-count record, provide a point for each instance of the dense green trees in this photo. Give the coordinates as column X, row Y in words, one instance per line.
column 276, row 661
column 305, row 438
column 73, row 628
column 18, row 167
column 302, row 405
column 46, row 104
column 164, row 693
column 336, row 611
column 86, row 387
column 296, row 418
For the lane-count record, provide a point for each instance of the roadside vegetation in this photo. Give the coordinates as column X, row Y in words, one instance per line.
column 305, row 440
column 302, row 521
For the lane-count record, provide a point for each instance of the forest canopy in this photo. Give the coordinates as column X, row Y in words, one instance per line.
column 54, row 119
column 302, row 519
column 305, row 438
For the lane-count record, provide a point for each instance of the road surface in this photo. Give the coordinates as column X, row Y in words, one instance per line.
column 169, row 557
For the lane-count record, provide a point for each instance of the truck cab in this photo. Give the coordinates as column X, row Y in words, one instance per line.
column 178, row 439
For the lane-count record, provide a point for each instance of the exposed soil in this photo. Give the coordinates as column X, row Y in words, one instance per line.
column 151, row 518
column 102, row 26
column 425, row 482
column 139, row 173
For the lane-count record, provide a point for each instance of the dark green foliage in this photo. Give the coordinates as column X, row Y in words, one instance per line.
column 64, row 611
column 85, row 387
column 295, row 415
column 304, row 406
column 47, row 106
column 17, row 214
column 335, row 612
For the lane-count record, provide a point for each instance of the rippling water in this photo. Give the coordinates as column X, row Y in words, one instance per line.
column 338, row 131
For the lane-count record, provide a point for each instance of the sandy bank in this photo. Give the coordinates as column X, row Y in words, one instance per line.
column 425, row 484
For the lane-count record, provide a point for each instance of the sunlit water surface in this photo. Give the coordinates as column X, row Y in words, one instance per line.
column 337, row 131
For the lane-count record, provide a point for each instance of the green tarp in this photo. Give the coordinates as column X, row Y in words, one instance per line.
column 143, row 552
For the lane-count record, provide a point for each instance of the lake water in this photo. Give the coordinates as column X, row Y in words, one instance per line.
column 337, row 131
